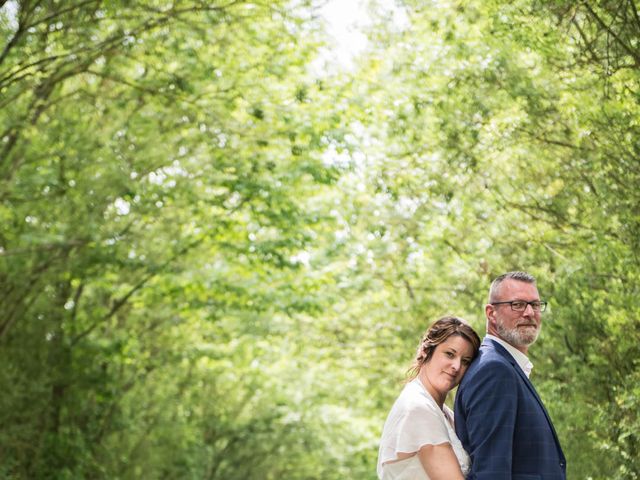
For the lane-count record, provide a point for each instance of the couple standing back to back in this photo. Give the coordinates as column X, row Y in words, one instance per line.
column 502, row 429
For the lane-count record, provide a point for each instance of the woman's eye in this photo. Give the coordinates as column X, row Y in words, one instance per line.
column 448, row 354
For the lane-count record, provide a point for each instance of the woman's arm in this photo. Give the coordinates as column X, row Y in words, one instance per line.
column 440, row 462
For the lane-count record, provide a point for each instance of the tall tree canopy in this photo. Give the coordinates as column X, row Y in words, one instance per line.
column 217, row 254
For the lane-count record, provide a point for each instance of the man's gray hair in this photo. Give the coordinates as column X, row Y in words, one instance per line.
column 519, row 276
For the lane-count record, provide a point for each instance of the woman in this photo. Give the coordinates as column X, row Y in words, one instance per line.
column 418, row 440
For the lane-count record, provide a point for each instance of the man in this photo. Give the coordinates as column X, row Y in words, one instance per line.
column 499, row 416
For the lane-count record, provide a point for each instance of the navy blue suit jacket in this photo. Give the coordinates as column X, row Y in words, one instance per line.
column 502, row 422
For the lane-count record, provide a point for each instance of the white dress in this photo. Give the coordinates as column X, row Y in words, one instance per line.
column 416, row 420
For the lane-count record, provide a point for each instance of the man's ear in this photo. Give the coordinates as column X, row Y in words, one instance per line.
column 490, row 313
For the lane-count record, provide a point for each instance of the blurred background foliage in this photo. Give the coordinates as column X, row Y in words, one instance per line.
column 219, row 248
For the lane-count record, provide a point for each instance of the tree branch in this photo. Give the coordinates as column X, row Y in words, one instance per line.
column 119, row 303
column 634, row 10
column 61, row 12
column 610, row 31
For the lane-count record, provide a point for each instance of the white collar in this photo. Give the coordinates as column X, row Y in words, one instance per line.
column 521, row 359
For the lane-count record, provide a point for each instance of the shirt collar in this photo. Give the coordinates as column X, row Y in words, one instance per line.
column 521, row 359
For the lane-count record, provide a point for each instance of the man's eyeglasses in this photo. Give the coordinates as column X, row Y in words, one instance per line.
column 521, row 306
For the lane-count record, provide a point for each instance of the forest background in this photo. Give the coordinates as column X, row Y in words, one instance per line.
column 219, row 247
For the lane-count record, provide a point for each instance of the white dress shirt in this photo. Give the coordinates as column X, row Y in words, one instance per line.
column 521, row 359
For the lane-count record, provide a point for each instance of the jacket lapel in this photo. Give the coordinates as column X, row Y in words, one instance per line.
column 500, row 350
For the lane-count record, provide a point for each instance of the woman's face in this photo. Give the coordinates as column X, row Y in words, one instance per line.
column 449, row 362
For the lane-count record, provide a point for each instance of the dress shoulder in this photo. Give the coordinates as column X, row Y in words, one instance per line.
column 416, row 420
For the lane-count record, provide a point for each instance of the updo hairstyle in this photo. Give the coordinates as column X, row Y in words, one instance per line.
column 439, row 332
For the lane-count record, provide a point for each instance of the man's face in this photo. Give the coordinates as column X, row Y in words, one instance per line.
column 519, row 329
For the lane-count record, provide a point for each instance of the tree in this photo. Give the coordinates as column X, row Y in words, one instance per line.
column 153, row 169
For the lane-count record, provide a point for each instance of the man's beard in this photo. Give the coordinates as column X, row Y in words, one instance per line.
column 516, row 336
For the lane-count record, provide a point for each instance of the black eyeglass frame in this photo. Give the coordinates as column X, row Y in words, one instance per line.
column 543, row 305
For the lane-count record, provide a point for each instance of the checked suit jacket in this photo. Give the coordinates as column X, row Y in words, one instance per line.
column 502, row 422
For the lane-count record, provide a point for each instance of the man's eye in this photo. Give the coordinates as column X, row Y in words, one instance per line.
column 518, row 305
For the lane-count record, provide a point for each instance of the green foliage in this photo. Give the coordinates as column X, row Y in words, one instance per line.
column 512, row 139
column 157, row 164
column 216, row 264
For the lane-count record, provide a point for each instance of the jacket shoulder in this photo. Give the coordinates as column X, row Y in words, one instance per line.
column 490, row 364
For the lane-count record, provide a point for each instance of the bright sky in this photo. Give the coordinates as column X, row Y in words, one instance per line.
column 11, row 8
column 344, row 17
column 345, row 21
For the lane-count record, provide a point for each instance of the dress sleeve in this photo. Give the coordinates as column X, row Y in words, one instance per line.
column 415, row 420
column 418, row 426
